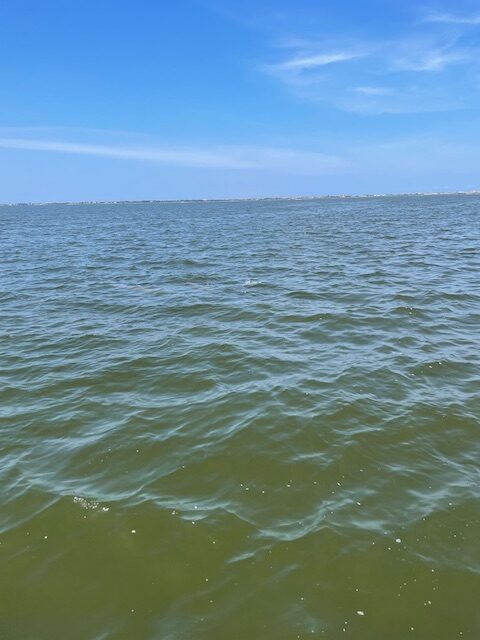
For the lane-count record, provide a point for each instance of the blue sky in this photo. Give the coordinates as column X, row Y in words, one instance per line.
column 207, row 98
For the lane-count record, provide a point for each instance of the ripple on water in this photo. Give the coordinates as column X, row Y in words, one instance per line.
column 240, row 420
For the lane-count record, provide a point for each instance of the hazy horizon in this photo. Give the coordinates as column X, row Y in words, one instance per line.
column 473, row 192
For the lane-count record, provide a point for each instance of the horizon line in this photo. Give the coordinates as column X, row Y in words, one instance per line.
column 470, row 192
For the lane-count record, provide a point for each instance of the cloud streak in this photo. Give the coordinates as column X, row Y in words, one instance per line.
column 233, row 157
column 427, row 68
column 435, row 60
column 373, row 91
column 302, row 63
column 448, row 18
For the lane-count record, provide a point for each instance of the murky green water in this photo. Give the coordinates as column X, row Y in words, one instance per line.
column 252, row 420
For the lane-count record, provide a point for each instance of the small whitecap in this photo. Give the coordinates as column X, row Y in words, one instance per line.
column 85, row 503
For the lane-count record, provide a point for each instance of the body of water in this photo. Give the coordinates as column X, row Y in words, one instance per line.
column 240, row 420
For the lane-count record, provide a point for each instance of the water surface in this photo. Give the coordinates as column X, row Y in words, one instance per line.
column 240, row 420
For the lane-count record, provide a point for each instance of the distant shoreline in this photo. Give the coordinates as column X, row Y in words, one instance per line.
column 473, row 192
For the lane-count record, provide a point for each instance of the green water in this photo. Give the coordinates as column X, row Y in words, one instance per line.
column 228, row 420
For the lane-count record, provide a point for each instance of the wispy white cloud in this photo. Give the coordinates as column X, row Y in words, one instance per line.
column 373, row 91
column 301, row 63
column 421, row 67
column 449, row 18
column 435, row 60
column 404, row 100
column 233, row 157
